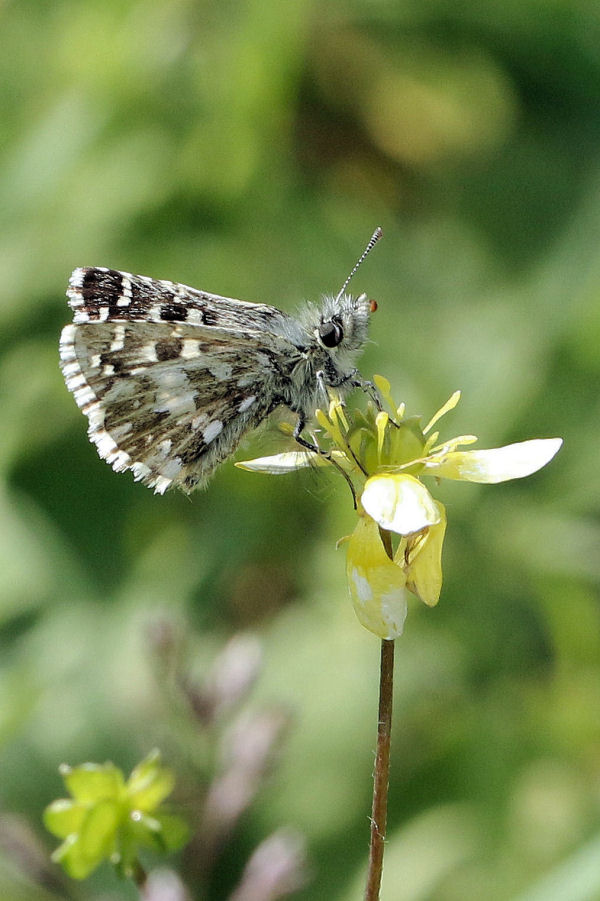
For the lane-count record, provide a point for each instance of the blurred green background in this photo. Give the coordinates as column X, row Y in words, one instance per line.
column 250, row 148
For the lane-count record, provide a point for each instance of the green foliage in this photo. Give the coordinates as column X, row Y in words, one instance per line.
column 250, row 148
column 110, row 819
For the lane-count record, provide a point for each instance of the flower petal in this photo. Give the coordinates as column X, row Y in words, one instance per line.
column 449, row 405
column 281, row 463
column 384, row 388
column 64, row 817
column 150, row 783
column 498, row 464
column 400, row 503
column 376, row 584
column 73, row 860
column 98, row 832
column 91, row 782
column 424, row 567
column 381, row 423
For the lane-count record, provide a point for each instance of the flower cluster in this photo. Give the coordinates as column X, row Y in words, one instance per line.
column 396, row 546
column 109, row 818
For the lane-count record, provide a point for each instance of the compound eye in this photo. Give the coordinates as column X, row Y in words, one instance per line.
column 331, row 332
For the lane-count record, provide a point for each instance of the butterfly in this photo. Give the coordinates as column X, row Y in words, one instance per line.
column 171, row 377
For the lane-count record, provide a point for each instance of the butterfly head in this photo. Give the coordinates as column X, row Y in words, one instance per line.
column 343, row 325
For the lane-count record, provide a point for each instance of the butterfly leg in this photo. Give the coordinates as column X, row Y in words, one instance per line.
column 370, row 389
column 308, row 445
column 317, row 450
column 351, row 380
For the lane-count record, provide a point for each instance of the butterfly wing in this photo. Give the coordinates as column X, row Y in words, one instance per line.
column 166, row 397
column 107, row 295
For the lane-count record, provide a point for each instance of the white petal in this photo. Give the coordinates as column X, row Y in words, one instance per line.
column 498, row 464
column 400, row 503
column 281, row 463
column 292, row 460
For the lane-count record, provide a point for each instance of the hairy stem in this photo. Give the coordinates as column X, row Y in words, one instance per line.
column 382, row 772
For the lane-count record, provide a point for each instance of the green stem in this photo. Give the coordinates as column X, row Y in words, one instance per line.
column 381, row 775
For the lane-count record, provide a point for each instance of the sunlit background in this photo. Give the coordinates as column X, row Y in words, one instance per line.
column 250, row 148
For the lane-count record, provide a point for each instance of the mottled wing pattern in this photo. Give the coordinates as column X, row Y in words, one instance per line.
column 166, row 397
column 106, row 295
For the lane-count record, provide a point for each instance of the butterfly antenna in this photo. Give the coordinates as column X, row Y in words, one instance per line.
column 372, row 242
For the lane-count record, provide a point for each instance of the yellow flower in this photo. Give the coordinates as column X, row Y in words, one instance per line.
column 108, row 818
column 384, row 455
column 377, row 586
